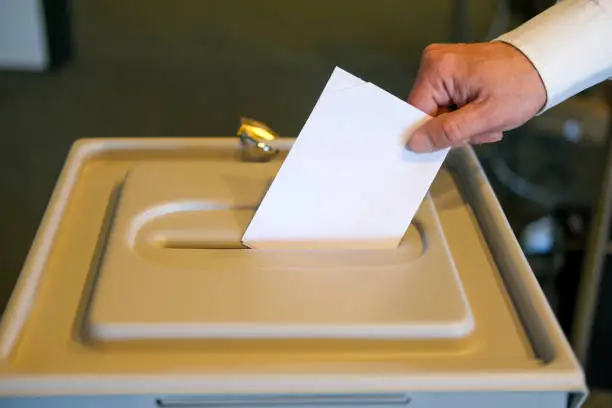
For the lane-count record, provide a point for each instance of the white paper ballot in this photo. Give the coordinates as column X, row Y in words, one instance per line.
column 348, row 182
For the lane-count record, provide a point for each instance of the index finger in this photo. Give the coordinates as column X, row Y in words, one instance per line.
column 422, row 97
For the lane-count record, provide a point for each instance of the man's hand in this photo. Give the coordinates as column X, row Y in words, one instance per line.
column 475, row 92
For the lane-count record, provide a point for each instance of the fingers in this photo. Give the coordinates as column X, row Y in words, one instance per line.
column 453, row 128
column 428, row 92
column 421, row 97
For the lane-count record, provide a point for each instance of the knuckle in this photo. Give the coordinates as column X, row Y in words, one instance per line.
column 430, row 53
column 451, row 132
column 429, row 49
column 440, row 58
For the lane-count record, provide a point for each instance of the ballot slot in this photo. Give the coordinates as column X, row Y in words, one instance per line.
column 155, row 235
column 194, row 227
column 175, row 240
column 188, row 208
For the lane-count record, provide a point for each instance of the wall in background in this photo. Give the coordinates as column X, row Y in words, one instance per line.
column 23, row 42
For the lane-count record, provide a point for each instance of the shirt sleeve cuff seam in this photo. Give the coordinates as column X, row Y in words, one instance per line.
column 545, row 106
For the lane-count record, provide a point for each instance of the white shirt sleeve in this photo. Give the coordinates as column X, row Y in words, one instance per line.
column 570, row 44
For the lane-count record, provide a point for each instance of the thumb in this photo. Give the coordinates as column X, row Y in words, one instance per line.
column 452, row 128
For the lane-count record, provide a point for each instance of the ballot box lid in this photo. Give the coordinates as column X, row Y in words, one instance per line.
column 137, row 282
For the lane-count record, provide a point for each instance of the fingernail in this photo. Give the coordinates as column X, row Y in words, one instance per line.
column 420, row 143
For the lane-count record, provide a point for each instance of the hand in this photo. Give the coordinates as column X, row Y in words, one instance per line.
column 475, row 92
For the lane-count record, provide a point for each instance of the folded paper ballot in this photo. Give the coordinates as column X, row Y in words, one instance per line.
column 348, row 182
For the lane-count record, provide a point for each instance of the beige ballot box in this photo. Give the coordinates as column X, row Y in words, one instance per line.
column 137, row 292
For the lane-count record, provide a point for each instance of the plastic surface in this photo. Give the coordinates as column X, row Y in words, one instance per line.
column 46, row 347
column 174, row 268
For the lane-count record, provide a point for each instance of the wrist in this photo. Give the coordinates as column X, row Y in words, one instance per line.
column 533, row 85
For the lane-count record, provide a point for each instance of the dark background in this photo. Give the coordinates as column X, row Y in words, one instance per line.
column 194, row 67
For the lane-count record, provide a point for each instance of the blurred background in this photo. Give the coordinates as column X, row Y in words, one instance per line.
column 73, row 69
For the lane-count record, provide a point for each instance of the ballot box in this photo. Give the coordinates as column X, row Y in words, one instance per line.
column 137, row 292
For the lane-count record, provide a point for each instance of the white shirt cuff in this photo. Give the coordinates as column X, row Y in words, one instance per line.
column 570, row 45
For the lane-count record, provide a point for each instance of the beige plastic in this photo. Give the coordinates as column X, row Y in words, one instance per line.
column 516, row 343
column 173, row 268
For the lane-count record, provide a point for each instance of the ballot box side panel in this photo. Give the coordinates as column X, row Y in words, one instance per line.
column 410, row 400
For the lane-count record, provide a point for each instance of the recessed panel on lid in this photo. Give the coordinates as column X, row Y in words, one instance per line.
column 174, row 269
